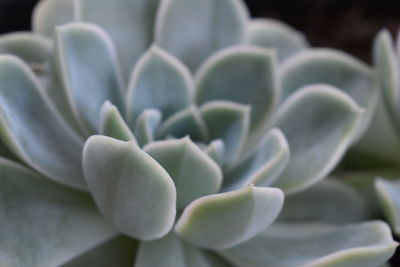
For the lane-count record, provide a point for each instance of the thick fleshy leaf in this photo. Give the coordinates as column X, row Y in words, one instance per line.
column 194, row 36
column 130, row 188
column 336, row 69
column 51, row 13
column 227, row 219
column 161, row 82
column 146, row 126
column 389, row 198
column 330, row 201
column 274, row 34
column 44, row 224
column 129, row 23
column 263, row 166
column 112, row 124
column 215, row 150
column 170, row 251
column 367, row 244
column 244, row 75
column 186, row 122
column 319, row 123
column 387, row 65
column 33, row 129
column 119, row 251
column 89, row 69
column 229, row 122
column 194, row 173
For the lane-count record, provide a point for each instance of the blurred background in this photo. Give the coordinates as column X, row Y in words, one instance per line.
column 349, row 25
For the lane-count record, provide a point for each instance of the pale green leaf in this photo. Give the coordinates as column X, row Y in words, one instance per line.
column 33, row 129
column 130, row 188
column 113, row 125
column 129, row 23
column 89, row 70
column 146, row 126
column 215, row 150
column 389, row 198
column 367, row 244
column 192, row 30
column 229, row 122
column 276, row 35
column 263, row 166
column 337, row 69
column 194, row 173
column 44, row 224
column 158, row 81
column 185, row 122
column 227, row 219
column 119, row 252
column 244, row 75
column 330, row 201
column 51, row 13
column 319, row 123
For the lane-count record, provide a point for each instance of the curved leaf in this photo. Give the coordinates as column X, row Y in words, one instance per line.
column 367, row 244
column 215, row 150
column 263, row 166
column 185, row 122
column 129, row 23
column 89, row 69
column 44, row 224
column 161, row 82
column 112, row 124
column 146, row 126
column 274, row 34
column 194, row 173
column 32, row 128
column 119, row 251
column 193, row 36
column 51, row 13
column 229, row 122
column 227, row 219
column 336, row 69
column 329, row 201
column 319, row 123
column 389, row 198
column 130, row 188
column 241, row 74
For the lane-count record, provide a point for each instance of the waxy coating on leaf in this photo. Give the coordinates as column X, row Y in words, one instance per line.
column 388, row 194
column 130, row 188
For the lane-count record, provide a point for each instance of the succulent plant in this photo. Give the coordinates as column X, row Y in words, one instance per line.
column 179, row 133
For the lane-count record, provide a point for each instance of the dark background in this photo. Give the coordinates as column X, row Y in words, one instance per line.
column 349, row 25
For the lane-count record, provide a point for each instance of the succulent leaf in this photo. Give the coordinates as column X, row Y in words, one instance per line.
column 227, row 219
column 33, row 129
column 113, row 125
column 44, row 224
column 244, row 75
column 367, row 244
column 146, row 126
column 263, row 166
column 276, row 35
column 49, row 14
column 88, row 85
column 330, row 200
column 319, row 123
column 337, row 69
column 130, row 188
column 194, row 36
column 215, row 150
column 389, row 197
column 229, row 122
column 194, row 173
column 129, row 23
column 159, row 81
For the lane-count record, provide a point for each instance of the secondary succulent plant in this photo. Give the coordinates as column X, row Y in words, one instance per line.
column 166, row 133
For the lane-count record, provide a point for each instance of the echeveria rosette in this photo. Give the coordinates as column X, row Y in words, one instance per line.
column 188, row 141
